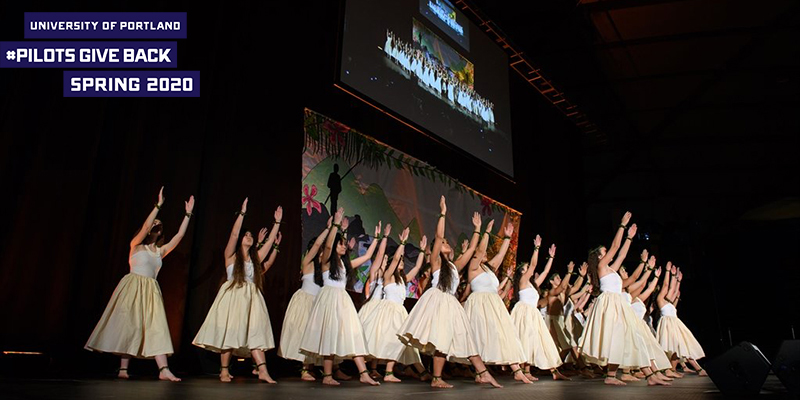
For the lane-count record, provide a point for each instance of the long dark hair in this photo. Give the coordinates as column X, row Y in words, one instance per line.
column 594, row 262
column 517, row 282
column 400, row 271
column 238, row 265
column 445, row 274
column 334, row 260
column 317, row 265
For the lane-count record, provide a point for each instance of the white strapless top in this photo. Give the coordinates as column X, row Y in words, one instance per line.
column 485, row 282
column 395, row 292
column 669, row 311
column 341, row 283
column 145, row 263
column 529, row 296
column 248, row 271
column 455, row 280
column 611, row 283
column 638, row 308
column 376, row 289
column 309, row 286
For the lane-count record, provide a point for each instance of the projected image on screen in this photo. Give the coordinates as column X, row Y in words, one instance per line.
column 394, row 53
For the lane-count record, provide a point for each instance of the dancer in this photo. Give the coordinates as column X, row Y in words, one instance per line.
column 300, row 306
column 373, row 287
column 494, row 332
column 438, row 324
column 556, row 300
column 238, row 321
column 674, row 336
column 134, row 323
column 537, row 343
column 333, row 329
column 610, row 336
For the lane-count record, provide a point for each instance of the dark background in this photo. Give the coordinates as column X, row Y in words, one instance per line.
column 699, row 143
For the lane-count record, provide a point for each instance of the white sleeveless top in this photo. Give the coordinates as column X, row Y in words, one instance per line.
column 669, row 311
column 146, row 263
column 395, row 292
column 455, row 280
column 529, row 296
column 309, row 286
column 376, row 289
column 485, row 282
column 248, row 271
column 638, row 308
column 341, row 283
column 611, row 283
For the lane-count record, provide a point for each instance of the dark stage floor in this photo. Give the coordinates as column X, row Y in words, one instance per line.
column 209, row 387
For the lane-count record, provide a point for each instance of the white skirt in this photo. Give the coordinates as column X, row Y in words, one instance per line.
column 494, row 332
column 676, row 338
column 611, row 335
column 381, row 327
column 333, row 328
column 294, row 324
column 537, row 343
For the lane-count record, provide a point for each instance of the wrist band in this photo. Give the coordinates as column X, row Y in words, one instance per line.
column 337, row 225
column 506, row 237
column 629, row 238
column 158, row 206
column 403, row 243
column 188, row 215
column 278, row 222
column 548, row 258
column 536, row 247
column 240, row 212
column 478, row 232
column 275, row 246
column 441, row 215
column 621, row 226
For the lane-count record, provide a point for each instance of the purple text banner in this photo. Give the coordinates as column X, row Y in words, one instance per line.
column 131, row 83
column 105, row 25
column 88, row 54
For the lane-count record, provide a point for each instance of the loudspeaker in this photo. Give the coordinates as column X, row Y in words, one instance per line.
column 787, row 365
column 741, row 370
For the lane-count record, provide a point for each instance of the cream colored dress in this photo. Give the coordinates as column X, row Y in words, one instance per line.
column 438, row 323
column 375, row 297
column 382, row 324
column 611, row 335
column 238, row 319
column 656, row 353
column 537, row 343
column 333, row 327
column 675, row 337
column 295, row 320
column 494, row 332
column 134, row 322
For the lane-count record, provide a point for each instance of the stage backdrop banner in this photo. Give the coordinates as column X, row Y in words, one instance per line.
column 375, row 182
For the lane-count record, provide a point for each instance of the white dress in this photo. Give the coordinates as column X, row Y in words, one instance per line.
column 537, row 344
column 296, row 318
column 382, row 325
column 675, row 337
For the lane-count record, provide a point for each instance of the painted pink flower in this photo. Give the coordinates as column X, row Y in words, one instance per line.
column 337, row 132
column 308, row 199
column 487, row 206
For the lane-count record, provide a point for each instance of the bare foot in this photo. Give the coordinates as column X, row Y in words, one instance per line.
column 703, row 373
column 123, row 374
column 672, row 374
column 365, row 378
column 166, row 375
column 306, row 376
column 531, row 377
column 391, row 378
column 628, row 378
column 224, row 376
column 264, row 376
column 374, row 374
column 342, row 376
column 614, row 381
column 486, row 377
column 663, row 377
column 653, row 381
column 440, row 383
column 558, row 376
column 639, row 374
column 328, row 380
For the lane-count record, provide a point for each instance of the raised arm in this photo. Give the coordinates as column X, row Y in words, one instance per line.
column 148, row 223
column 373, row 269
column 387, row 274
column 167, row 248
column 466, row 255
column 505, row 286
column 537, row 243
column 624, row 250
column 673, row 284
column 635, row 288
column 475, row 263
column 312, row 252
column 578, row 282
column 498, row 258
column 662, row 294
column 272, row 255
column 577, row 295
column 639, row 268
column 565, row 281
column 420, row 260
column 230, row 248
column 438, row 240
column 358, row 261
column 267, row 246
column 651, row 287
column 337, row 223
column 547, row 265
column 615, row 244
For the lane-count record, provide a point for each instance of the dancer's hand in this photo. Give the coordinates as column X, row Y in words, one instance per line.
column 489, row 226
column 552, row 250
column 537, row 241
column 423, row 243
column 189, row 204
column 262, row 234
column 582, row 269
column 644, row 255
column 278, row 214
column 377, row 230
column 476, row 221
column 658, row 272
column 652, row 262
column 387, row 229
column 345, row 223
column 509, row 230
column 244, row 205
column 626, row 218
column 337, row 219
column 632, row 231
column 161, row 197
column 570, row 267
column 442, row 205
column 351, row 243
column 404, row 235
